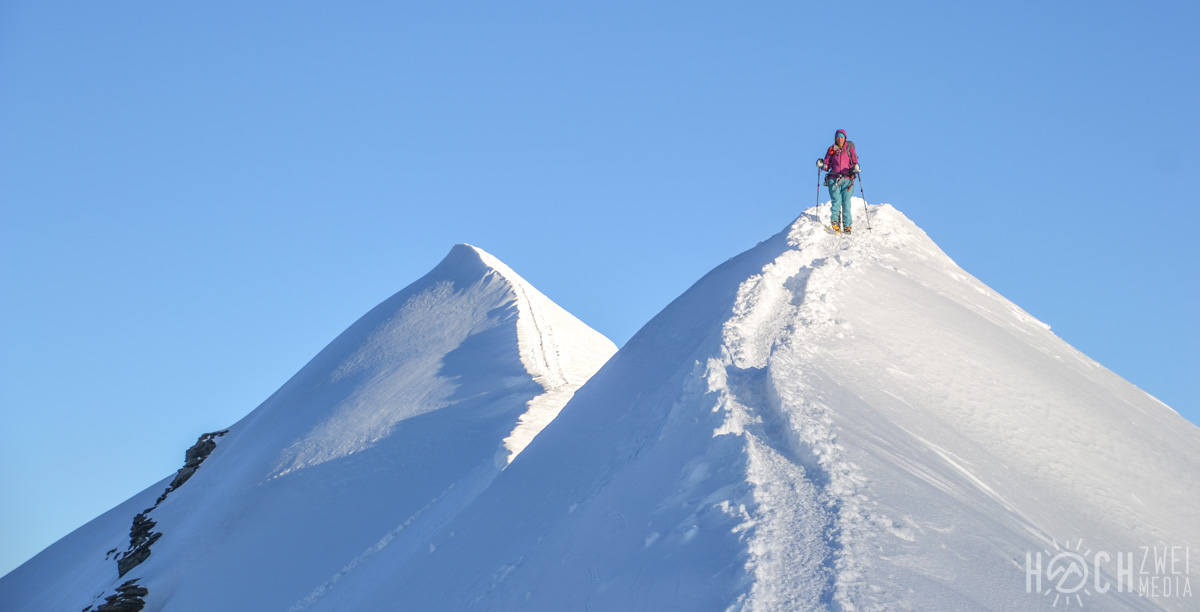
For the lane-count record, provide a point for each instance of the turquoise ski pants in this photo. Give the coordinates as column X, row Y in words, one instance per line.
column 839, row 197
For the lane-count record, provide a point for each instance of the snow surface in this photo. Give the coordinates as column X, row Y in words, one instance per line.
column 821, row 423
column 398, row 422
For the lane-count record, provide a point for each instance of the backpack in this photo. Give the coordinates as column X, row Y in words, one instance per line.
column 850, row 148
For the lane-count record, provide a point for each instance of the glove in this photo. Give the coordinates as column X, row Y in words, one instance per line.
column 856, row 170
column 820, row 163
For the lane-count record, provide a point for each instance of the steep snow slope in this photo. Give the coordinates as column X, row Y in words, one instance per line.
column 387, row 432
column 823, row 422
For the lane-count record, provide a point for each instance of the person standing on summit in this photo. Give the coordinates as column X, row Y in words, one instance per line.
column 841, row 166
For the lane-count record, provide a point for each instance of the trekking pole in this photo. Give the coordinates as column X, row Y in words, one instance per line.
column 866, row 209
column 817, row 206
column 817, row 213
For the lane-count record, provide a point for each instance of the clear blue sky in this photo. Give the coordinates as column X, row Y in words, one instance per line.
column 197, row 197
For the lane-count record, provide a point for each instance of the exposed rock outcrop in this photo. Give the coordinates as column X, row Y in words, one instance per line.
column 128, row 598
column 192, row 460
column 142, row 535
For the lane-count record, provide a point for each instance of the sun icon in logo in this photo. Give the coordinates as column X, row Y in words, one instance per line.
column 1068, row 572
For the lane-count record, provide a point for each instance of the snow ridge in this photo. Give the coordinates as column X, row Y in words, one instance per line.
column 794, row 460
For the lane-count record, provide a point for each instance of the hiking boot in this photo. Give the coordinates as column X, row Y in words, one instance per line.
column 835, row 226
column 846, row 230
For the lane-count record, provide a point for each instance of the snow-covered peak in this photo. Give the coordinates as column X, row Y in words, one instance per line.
column 387, row 432
column 444, row 333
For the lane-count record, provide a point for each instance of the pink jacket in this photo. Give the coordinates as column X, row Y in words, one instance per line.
column 841, row 162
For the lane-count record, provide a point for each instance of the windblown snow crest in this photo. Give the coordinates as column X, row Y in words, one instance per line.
column 558, row 350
